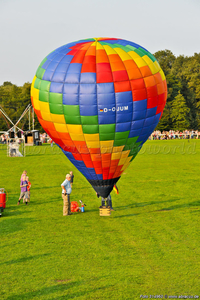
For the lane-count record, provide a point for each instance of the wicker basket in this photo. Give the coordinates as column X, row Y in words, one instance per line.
column 104, row 211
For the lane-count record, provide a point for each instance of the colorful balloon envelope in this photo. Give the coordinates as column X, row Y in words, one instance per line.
column 99, row 99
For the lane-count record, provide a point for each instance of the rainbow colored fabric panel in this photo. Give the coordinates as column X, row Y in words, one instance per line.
column 99, row 99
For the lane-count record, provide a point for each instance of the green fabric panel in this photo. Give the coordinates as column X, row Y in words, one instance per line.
column 121, row 142
column 56, row 108
column 131, row 47
column 44, row 96
column 90, row 129
column 71, row 110
column 41, row 64
column 40, row 72
column 139, row 52
column 121, row 135
column 37, row 83
column 45, row 85
column 107, row 136
column 132, row 141
column 151, row 56
column 134, row 151
column 106, row 128
column 55, row 98
column 89, row 120
column 73, row 120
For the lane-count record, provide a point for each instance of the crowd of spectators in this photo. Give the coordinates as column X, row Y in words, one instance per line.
column 172, row 134
column 44, row 138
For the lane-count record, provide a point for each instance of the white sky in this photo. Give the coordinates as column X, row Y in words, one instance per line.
column 31, row 29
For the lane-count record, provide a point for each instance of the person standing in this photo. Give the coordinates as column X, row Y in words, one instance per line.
column 72, row 178
column 66, row 191
column 24, row 192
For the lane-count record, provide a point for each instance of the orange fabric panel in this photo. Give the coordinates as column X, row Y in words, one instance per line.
column 117, row 66
column 96, row 157
column 64, row 136
column 78, row 57
column 149, row 81
column 94, row 150
column 137, row 84
column 88, row 68
column 158, row 77
column 152, row 102
column 81, row 146
column 77, row 156
column 101, row 56
column 145, row 71
column 123, row 86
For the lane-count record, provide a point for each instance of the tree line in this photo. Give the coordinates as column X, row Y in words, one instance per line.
column 182, row 110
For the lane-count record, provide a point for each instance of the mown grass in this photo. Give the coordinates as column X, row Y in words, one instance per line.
column 148, row 246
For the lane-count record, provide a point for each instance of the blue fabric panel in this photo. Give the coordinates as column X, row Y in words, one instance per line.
column 106, row 117
column 140, row 105
column 105, row 88
column 72, row 78
column 149, row 121
column 88, row 99
column 137, row 124
column 88, row 110
column 45, row 64
column 139, row 115
column 52, row 55
column 74, row 68
column 151, row 112
column 71, row 88
column 88, row 78
column 143, row 138
column 58, row 77
column 62, row 68
column 70, row 99
column 124, row 98
column 106, row 99
column 52, row 66
column 157, row 117
column 64, row 50
column 48, row 75
column 56, row 87
column 120, row 127
column 87, row 88
column 59, row 57
column 67, row 59
column 122, row 117
column 148, row 130
column 134, row 133
column 92, row 173
column 99, row 176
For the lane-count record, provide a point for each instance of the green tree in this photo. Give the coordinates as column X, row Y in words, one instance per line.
column 180, row 113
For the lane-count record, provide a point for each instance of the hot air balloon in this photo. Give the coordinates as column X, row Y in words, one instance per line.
column 99, row 100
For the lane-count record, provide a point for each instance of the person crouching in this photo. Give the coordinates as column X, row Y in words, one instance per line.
column 66, row 191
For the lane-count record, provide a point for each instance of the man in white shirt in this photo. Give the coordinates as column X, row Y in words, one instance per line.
column 66, row 191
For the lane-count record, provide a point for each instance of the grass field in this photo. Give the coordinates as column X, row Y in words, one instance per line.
column 149, row 245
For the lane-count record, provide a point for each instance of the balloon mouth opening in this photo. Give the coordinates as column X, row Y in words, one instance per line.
column 103, row 187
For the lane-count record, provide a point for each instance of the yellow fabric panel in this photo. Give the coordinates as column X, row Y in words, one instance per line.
column 35, row 93
column 147, row 59
column 122, row 161
column 106, row 146
column 109, row 50
column 133, row 54
column 46, row 116
column 75, row 129
column 36, row 103
column 157, row 65
column 162, row 74
column 125, row 154
column 58, row 118
column 154, row 69
column 140, row 62
column 116, row 155
column 44, row 107
column 117, row 149
column 123, row 55
column 125, row 166
column 91, row 137
column 77, row 137
column 98, row 46
column 92, row 145
column 61, row 127
column 33, row 82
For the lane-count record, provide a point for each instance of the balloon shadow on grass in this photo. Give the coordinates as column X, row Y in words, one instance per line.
column 24, row 259
column 187, row 205
column 60, row 288
column 8, row 225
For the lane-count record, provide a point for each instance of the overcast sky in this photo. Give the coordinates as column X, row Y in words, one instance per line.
column 31, row 29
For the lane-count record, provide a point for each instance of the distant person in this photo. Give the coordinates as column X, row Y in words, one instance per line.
column 72, row 178
column 28, row 188
column 24, row 192
column 66, row 191
column 108, row 200
column 23, row 174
